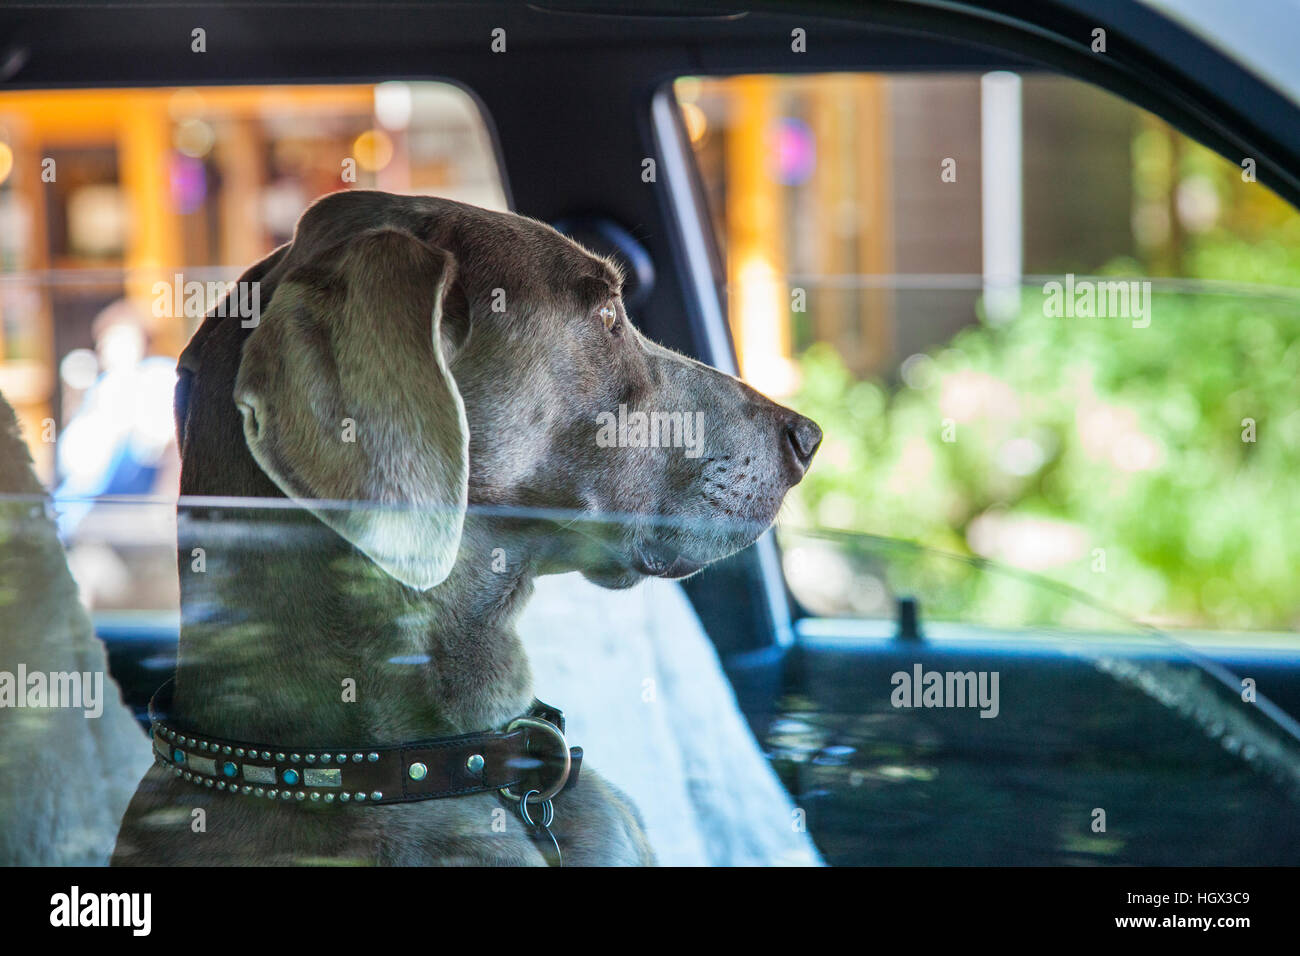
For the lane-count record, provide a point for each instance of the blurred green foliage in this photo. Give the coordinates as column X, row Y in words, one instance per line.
column 1118, row 460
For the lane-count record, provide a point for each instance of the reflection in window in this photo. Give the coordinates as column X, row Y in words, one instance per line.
column 104, row 193
column 108, row 196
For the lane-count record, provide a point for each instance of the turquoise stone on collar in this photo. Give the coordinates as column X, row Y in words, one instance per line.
column 187, row 757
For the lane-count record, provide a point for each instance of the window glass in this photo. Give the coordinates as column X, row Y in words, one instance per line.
column 1036, row 323
column 117, row 205
column 104, row 193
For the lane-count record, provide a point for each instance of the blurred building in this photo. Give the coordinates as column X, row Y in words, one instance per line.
column 104, row 193
column 838, row 188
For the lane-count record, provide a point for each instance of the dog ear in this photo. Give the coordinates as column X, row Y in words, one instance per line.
column 346, row 396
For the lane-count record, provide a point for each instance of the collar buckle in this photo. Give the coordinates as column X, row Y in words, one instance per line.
column 561, row 753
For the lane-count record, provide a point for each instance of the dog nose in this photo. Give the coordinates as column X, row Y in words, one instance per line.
column 804, row 437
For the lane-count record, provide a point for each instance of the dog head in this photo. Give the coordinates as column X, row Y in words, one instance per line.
column 426, row 356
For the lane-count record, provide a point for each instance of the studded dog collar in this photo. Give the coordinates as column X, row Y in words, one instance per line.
column 528, row 762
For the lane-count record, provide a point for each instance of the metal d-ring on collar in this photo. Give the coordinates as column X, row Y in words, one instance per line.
column 541, row 829
column 544, row 796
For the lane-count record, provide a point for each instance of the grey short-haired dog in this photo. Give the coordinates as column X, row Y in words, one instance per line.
column 466, row 374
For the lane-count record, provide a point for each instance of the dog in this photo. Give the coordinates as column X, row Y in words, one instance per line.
column 454, row 367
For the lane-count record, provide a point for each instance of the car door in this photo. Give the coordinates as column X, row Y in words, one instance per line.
column 960, row 337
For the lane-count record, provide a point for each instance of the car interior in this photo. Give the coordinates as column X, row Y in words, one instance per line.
column 860, row 209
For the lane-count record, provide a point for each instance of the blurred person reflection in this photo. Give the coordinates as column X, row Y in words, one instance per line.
column 118, row 441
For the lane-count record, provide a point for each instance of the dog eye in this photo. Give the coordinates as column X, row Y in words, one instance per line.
column 609, row 315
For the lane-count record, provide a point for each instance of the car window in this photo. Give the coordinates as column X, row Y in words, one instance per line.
column 1002, row 720
column 1037, row 324
column 1003, row 466
column 125, row 211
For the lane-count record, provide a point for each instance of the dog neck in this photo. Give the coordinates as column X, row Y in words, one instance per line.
column 288, row 634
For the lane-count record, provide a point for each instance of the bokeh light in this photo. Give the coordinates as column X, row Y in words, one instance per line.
column 373, row 150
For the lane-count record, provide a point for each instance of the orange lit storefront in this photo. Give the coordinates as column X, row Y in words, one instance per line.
column 105, row 193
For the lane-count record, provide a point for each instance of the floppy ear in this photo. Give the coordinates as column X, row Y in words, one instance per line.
column 346, row 396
